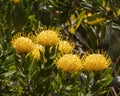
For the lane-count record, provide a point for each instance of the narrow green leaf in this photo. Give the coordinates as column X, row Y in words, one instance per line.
column 79, row 19
column 9, row 73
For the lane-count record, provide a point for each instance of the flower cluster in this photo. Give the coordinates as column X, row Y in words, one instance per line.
column 45, row 38
column 67, row 62
column 24, row 45
column 90, row 62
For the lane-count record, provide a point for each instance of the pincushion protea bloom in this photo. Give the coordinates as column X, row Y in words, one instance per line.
column 23, row 45
column 47, row 38
column 69, row 63
column 35, row 51
column 65, row 47
column 96, row 61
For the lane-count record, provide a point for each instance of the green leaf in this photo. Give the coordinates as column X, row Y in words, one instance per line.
column 79, row 19
column 11, row 72
column 106, row 73
column 31, row 17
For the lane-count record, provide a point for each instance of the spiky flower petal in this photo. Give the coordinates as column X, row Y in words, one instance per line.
column 23, row 45
column 69, row 63
column 47, row 38
column 96, row 61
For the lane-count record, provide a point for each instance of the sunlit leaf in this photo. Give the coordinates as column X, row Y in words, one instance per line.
column 79, row 19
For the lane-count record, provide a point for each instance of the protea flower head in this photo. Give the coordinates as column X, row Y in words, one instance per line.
column 69, row 63
column 65, row 47
column 22, row 44
column 96, row 61
column 47, row 38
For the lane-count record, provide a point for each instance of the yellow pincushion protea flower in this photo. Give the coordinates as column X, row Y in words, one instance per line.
column 35, row 51
column 15, row 1
column 23, row 45
column 65, row 47
column 47, row 38
column 96, row 61
column 69, row 63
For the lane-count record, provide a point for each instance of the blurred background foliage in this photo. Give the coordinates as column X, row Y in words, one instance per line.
column 91, row 24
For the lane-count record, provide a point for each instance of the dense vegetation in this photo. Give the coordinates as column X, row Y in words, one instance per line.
column 89, row 28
